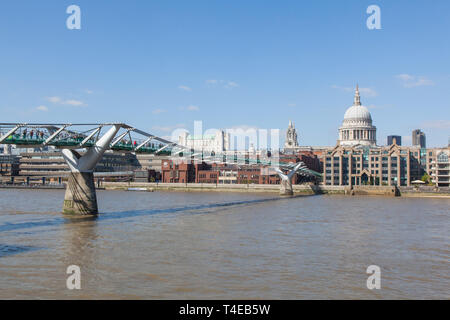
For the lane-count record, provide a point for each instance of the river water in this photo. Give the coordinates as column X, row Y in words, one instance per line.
column 176, row 245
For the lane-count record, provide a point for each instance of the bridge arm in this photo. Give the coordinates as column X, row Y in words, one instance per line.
column 55, row 134
column 166, row 146
column 143, row 143
column 90, row 159
column 10, row 132
column 90, row 136
column 120, row 137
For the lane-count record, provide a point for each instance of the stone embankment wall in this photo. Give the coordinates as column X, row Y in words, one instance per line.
column 274, row 188
column 375, row 190
column 269, row 188
column 425, row 191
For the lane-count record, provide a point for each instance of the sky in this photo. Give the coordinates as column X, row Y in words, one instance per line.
column 161, row 65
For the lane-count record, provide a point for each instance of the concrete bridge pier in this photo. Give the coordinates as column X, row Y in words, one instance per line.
column 286, row 189
column 80, row 197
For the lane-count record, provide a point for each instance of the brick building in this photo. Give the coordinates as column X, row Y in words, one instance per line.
column 178, row 172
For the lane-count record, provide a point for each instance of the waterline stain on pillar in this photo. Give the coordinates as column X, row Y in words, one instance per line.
column 80, row 197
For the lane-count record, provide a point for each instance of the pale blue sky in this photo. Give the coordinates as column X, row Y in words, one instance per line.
column 162, row 64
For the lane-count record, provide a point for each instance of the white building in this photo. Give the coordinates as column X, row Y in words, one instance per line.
column 357, row 128
column 218, row 142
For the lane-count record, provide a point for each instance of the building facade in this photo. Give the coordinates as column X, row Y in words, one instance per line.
column 52, row 165
column 362, row 165
column 438, row 166
column 218, row 142
column 9, row 166
column 150, row 161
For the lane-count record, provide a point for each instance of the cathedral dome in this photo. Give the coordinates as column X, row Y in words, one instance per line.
column 360, row 113
column 357, row 114
column 357, row 128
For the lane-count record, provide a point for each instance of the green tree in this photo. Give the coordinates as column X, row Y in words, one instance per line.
column 426, row 178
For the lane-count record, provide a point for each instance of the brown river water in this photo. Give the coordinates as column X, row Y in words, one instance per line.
column 177, row 245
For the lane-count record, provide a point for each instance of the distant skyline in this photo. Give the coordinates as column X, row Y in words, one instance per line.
column 161, row 65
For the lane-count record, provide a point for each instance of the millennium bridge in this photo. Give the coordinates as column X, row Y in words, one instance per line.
column 96, row 138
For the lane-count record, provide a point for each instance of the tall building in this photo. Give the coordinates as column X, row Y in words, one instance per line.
column 357, row 128
column 291, row 143
column 418, row 138
column 391, row 139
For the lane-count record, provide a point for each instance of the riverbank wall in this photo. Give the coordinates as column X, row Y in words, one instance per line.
column 425, row 191
column 303, row 189
column 306, row 189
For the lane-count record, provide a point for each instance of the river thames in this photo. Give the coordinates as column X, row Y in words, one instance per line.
column 179, row 245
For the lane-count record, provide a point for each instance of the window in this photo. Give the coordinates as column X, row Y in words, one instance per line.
column 442, row 157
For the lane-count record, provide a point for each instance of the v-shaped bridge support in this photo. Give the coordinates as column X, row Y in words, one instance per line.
column 80, row 197
column 286, row 180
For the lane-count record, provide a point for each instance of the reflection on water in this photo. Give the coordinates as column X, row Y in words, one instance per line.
column 165, row 245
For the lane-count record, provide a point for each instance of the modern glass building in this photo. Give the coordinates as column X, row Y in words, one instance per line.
column 390, row 140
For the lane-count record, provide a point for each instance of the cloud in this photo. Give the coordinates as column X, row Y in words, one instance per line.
column 158, row 111
column 193, row 108
column 89, row 91
column 54, row 99
column 168, row 128
column 75, row 103
column 212, row 82
column 190, row 108
column 42, row 108
column 368, row 92
column 231, row 84
column 184, row 88
column 410, row 81
column 437, row 124
column 70, row 102
column 223, row 83
column 292, row 104
column 405, row 77
column 162, row 128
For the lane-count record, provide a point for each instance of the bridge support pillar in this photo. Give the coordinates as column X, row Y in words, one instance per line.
column 80, row 195
column 80, row 198
column 286, row 180
column 286, row 188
